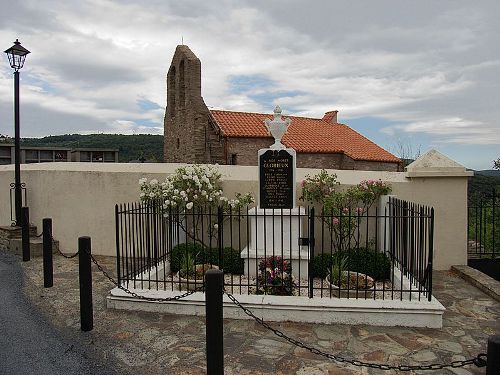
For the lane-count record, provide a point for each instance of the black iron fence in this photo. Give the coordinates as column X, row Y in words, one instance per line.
column 484, row 225
column 385, row 253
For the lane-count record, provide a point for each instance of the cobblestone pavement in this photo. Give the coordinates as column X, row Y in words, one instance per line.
column 153, row 343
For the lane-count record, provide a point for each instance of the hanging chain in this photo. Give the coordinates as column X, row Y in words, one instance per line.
column 134, row 294
column 121, row 287
column 479, row 361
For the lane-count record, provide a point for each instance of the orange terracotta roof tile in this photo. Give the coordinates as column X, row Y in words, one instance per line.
column 306, row 135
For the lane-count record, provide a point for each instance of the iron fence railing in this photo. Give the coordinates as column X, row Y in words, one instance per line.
column 385, row 253
column 483, row 225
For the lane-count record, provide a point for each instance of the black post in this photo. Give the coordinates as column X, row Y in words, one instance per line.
column 48, row 269
column 493, row 361
column 85, row 275
column 25, row 233
column 18, row 199
column 311, row 253
column 220, row 238
column 214, row 325
column 431, row 255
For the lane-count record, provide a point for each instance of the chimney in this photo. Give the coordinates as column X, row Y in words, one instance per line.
column 331, row 117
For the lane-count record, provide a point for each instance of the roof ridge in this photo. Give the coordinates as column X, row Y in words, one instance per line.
column 266, row 114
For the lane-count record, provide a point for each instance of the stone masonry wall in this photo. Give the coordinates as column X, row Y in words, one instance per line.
column 186, row 115
column 246, row 149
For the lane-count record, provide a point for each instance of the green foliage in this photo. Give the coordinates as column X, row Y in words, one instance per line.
column 339, row 265
column 182, row 250
column 316, row 188
column 232, row 262
column 369, row 262
column 188, row 265
column 482, row 186
column 342, row 210
column 130, row 147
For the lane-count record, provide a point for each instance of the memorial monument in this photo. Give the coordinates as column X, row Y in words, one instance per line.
column 276, row 224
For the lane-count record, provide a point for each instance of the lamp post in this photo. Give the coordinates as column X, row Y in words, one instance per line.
column 17, row 55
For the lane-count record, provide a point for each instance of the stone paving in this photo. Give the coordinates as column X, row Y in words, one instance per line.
column 153, row 343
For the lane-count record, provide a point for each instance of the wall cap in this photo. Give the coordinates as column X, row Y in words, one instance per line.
column 435, row 164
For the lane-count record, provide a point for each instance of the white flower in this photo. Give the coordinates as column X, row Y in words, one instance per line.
column 210, row 199
column 142, row 195
column 176, row 191
column 153, row 182
column 195, row 196
column 183, row 193
column 167, row 202
column 151, row 195
column 216, row 226
column 189, row 205
column 173, row 203
column 186, row 199
column 203, row 192
column 142, row 181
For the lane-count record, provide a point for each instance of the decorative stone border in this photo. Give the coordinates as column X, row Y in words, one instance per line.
column 481, row 281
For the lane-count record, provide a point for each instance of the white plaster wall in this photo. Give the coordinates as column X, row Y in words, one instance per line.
column 80, row 199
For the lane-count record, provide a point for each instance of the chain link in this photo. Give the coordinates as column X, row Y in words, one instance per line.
column 133, row 294
column 479, row 361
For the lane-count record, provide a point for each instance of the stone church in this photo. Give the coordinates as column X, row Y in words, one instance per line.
column 196, row 134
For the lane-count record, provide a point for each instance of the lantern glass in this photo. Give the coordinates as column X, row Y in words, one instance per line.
column 17, row 54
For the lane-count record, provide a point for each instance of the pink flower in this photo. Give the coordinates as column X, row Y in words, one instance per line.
column 335, row 221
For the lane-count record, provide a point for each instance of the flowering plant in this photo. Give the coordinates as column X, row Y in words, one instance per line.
column 316, row 188
column 193, row 190
column 275, row 277
column 342, row 210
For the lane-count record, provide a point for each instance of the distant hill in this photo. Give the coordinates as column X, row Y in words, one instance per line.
column 488, row 172
column 483, row 183
column 131, row 147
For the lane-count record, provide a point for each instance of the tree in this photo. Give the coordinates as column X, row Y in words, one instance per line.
column 405, row 150
column 496, row 163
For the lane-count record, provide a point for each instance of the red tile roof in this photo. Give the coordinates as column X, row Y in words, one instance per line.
column 306, row 135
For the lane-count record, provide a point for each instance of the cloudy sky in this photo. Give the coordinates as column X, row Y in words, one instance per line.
column 407, row 74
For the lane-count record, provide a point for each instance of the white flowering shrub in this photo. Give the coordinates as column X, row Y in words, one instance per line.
column 192, row 186
column 193, row 189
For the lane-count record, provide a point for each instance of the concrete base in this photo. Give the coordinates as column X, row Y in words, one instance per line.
column 296, row 309
column 36, row 246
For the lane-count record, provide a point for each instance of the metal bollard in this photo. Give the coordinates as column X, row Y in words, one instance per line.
column 25, row 233
column 214, row 280
column 48, row 267
column 85, row 276
column 493, row 360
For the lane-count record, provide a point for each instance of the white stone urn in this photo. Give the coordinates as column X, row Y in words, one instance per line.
column 360, row 285
column 277, row 127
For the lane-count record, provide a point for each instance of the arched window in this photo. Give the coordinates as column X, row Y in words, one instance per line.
column 182, row 85
column 171, row 91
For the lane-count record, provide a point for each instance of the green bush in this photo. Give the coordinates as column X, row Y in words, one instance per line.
column 233, row 263
column 369, row 262
column 180, row 250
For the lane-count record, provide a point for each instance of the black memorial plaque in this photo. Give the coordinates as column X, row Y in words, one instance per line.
column 276, row 179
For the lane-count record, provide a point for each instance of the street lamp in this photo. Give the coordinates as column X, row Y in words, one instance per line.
column 17, row 55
